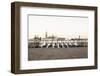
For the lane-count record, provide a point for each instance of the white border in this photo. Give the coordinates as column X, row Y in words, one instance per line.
column 25, row 64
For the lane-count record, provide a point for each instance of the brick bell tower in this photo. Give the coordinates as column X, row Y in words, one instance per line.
column 46, row 34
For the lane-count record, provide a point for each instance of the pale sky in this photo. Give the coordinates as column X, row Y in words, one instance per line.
column 68, row 27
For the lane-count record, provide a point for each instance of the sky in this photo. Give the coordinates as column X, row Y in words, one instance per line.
column 60, row 26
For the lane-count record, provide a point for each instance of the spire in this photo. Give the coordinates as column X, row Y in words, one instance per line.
column 46, row 35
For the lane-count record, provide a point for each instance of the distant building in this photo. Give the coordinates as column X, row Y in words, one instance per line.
column 80, row 42
column 57, row 42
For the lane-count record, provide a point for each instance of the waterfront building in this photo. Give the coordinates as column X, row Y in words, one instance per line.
column 57, row 42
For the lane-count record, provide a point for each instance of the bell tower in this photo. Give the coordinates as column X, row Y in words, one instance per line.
column 46, row 35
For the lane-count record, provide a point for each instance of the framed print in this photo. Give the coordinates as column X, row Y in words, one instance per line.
column 52, row 37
